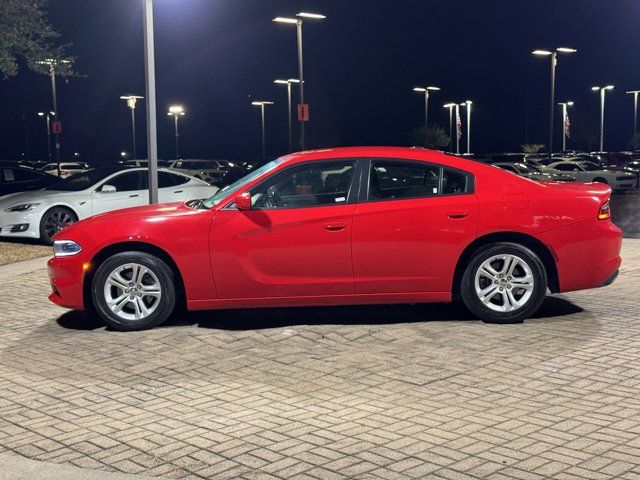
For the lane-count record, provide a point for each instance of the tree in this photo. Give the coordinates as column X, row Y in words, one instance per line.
column 26, row 35
column 533, row 147
column 435, row 137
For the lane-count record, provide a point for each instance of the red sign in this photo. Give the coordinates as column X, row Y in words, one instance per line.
column 56, row 126
column 303, row 112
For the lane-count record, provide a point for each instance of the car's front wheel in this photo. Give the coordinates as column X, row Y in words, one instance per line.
column 133, row 291
column 504, row 283
column 54, row 220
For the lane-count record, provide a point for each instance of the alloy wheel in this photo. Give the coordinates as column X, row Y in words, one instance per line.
column 56, row 221
column 504, row 283
column 132, row 291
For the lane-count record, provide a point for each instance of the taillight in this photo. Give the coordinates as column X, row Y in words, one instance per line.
column 605, row 211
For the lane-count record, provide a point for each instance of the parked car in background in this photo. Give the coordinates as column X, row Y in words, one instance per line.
column 586, row 171
column 345, row 226
column 532, row 172
column 211, row 171
column 139, row 162
column 21, row 179
column 41, row 214
column 66, row 168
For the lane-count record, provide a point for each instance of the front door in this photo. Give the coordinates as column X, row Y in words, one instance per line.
column 295, row 240
column 410, row 227
column 123, row 190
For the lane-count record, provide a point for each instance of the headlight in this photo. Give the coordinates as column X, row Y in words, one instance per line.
column 23, row 207
column 65, row 248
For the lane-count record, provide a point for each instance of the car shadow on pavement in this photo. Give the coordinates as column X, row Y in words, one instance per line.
column 261, row 318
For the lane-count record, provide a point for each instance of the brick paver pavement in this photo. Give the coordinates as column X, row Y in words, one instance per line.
column 364, row 392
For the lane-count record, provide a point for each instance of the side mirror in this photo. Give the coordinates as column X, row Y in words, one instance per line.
column 108, row 188
column 243, row 201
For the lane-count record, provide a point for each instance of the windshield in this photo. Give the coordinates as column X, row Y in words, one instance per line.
column 238, row 184
column 81, row 181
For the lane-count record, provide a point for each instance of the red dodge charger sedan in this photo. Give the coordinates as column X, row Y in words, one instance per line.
column 344, row 226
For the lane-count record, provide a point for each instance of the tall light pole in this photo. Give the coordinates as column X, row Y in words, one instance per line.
column 635, row 118
column 564, row 106
column 554, row 62
column 47, row 116
column 262, row 104
column 131, row 103
column 150, row 87
column 52, row 64
column 426, row 91
column 602, row 91
column 288, row 84
column 298, row 22
column 450, row 106
column 458, row 128
column 176, row 111
column 467, row 105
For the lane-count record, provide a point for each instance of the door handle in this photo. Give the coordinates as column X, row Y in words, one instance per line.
column 335, row 227
column 134, row 195
column 458, row 213
column 177, row 191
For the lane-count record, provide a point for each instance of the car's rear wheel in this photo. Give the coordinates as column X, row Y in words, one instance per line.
column 504, row 283
column 54, row 220
column 133, row 291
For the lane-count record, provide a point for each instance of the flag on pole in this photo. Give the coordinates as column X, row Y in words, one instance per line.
column 567, row 126
column 458, row 124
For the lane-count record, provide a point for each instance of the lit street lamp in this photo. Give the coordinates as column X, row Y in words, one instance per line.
column 450, row 107
column 176, row 111
column 426, row 91
column 602, row 91
column 262, row 104
column 47, row 116
column 298, row 22
column 288, row 84
column 131, row 103
column 53, row 63
column 467, row 104
column 565, row 117
column 554, row 62
column 635, row 117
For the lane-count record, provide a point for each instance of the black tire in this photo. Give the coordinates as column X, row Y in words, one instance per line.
column 490, row 315
column 166, row 301
column 54, row 220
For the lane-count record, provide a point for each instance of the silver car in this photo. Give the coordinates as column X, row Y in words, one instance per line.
column 585, row 171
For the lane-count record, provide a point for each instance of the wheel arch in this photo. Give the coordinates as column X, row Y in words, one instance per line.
column 126, row 246
column 529, row 241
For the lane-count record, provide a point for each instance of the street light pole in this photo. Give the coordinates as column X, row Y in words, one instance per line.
column 288, row 84
column 554, row 62
column 450, row 107
column 131, row 103
column 262, row 104
column 150, row 87
column 635, row 118
column 467, row 104
column 457, row 124
column 564, row 106
column 426, row 90
column 47, row 116
column 602, row 91
column 176, row 111
column 298, row 22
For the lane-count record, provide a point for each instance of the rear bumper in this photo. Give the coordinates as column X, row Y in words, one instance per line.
column 587, row 253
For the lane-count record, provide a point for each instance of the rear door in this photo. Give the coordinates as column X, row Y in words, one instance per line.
column 130, row 191
column 411, row 224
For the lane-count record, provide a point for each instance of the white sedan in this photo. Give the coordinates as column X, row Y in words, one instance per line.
column 585, row 171
column 41, row 214
column 66, row 169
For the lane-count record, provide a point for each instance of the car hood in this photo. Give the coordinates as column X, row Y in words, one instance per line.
column 30, row 197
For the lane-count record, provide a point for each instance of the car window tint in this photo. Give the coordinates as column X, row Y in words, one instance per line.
column 8, row 175
column 128, row 181
column 165, row 180
column 453, row 182
column 326, row 183
column 178, row 179
column 393, row 180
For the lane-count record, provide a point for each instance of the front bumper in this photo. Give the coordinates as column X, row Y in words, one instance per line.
column 66, row 275
column 10, row 219
column 611, row 279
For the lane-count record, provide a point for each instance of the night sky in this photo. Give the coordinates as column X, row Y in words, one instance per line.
column 361, row 63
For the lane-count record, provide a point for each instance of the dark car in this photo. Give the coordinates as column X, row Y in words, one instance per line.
column 16, row 178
